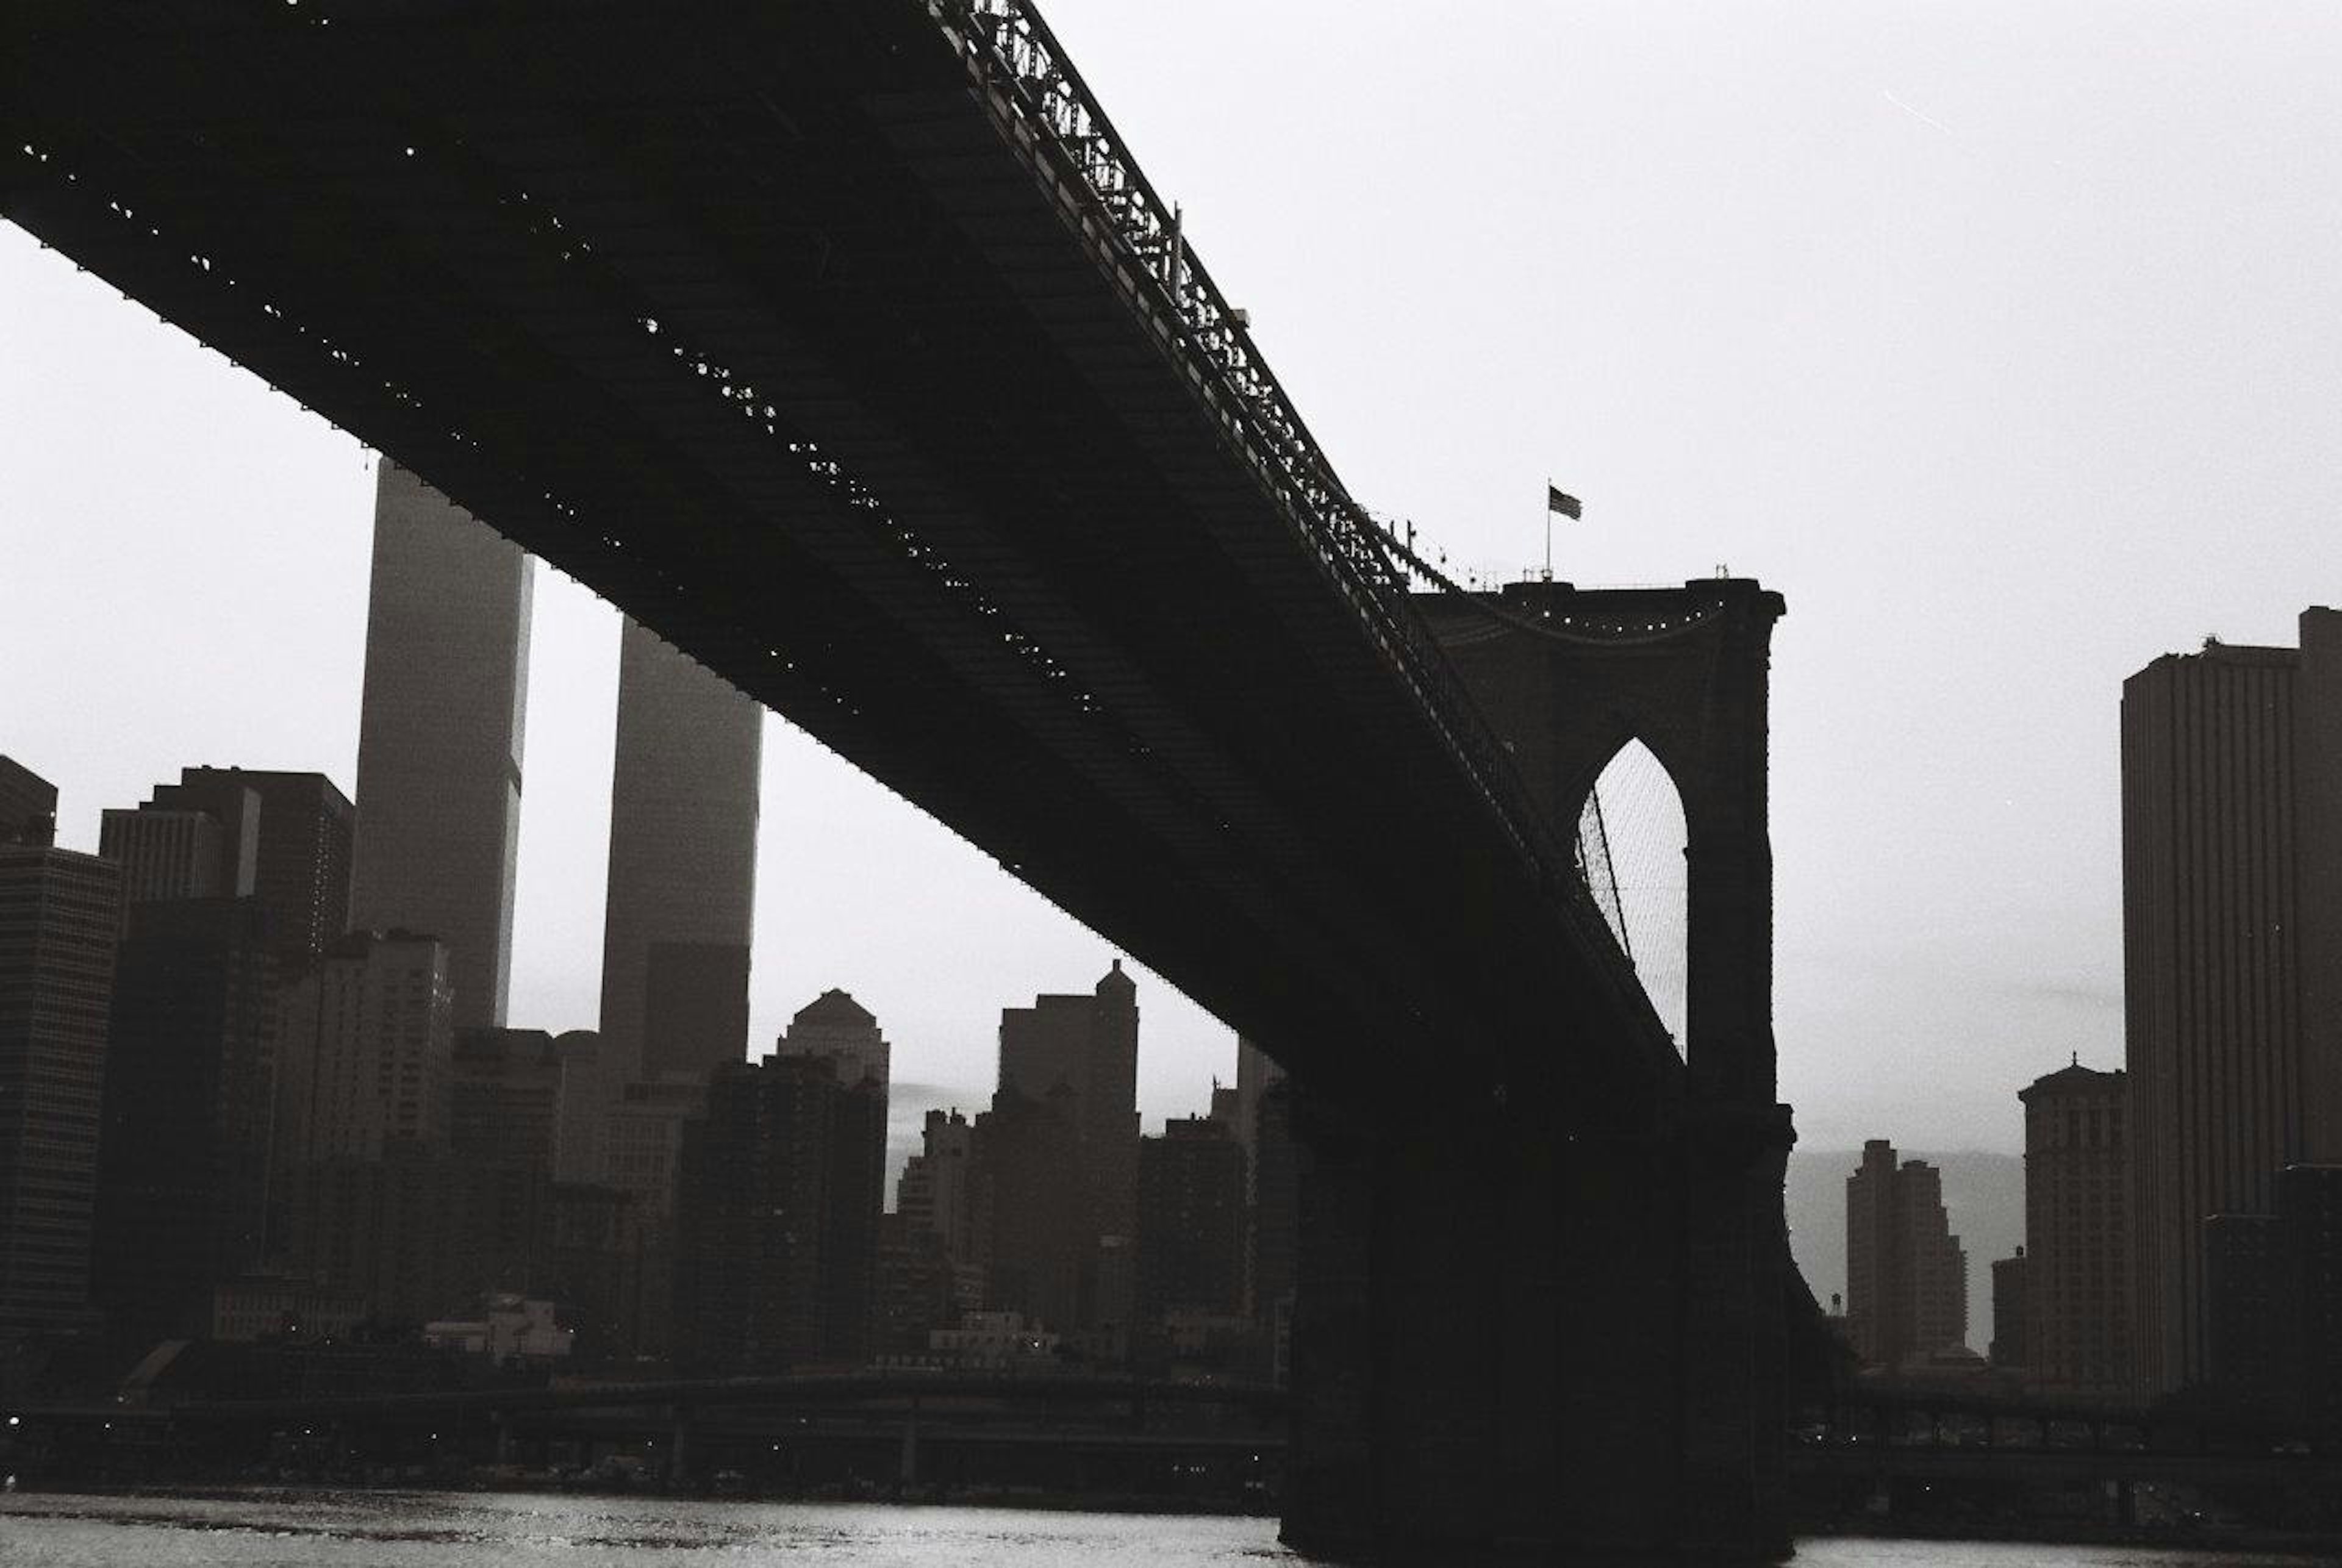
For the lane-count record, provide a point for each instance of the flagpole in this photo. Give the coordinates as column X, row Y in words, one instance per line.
column 1548, row 528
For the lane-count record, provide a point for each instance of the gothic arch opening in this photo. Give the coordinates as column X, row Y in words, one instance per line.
column 1632, row 838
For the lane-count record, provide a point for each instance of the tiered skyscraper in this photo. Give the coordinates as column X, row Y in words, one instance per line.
column 683, row 865
column 1907, row 1277
column 439, row 737
column 2232, row 956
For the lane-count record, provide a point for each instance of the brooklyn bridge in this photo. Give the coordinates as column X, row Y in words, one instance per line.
column 844, row 344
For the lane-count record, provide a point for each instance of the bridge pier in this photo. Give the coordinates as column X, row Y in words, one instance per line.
column 1515, row 1343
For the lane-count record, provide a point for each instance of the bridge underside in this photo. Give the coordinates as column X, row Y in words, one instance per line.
column 780, row 328
column 770, row 325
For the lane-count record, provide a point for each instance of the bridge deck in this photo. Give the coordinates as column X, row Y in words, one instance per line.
column 782, row 328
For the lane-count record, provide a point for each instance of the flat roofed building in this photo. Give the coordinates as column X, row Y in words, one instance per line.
column 680, row 914
column 59, row 920
column 439, row 737
column 2232, row 957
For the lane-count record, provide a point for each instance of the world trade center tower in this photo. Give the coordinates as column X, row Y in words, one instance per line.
column 683, row 864
column 439, row 737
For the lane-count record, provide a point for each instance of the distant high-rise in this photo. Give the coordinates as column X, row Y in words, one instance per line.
column 300, row 866
column 2078, row 1231
column 182, row 1196
column 58, row 925
column 835, row 1025
column 29, row 807
column 439, row 737
column 1086, row 1046
column 683, row 864
column 1907, row 1277
column 2232, row 956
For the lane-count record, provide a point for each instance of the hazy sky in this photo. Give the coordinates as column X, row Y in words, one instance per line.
column 2003, row 339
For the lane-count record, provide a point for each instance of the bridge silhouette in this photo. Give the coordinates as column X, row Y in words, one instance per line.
column 845, row 345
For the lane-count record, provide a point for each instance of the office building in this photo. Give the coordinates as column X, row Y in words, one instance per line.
column 29, row 807
column 1907, row 1277
column 2077, row 1232
column 59, row 916
column 1082, row 1052
column 1191, row 1222
column 439, row 738
column 293, row 833
column 2011, row 1284
column 191, row 853
column 2232, row 955
column 835, row 1025
column 777, row 1218
column 506, row 1096
column 182, row 1193
column 367, row 1057
column 683, row 864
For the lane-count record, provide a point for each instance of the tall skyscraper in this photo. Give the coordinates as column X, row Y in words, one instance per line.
column 58, row 921
column 2077, row 1230
column 1907, row 1277
column 2232, row 956
column 300, row 863
column 182, row 1193
column 439, row 737
column 683, row 864
column 835, row 1025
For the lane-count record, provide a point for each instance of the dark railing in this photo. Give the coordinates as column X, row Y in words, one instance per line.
column 1014, row 57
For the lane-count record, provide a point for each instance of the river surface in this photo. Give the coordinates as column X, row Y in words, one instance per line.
column 437, row 1530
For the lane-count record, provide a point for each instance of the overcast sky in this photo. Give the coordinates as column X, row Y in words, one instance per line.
column 2003, row 339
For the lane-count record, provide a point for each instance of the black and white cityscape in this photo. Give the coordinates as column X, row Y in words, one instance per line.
column 1646, row 1059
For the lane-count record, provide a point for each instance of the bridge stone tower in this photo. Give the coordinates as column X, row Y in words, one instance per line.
column 1532, row 1324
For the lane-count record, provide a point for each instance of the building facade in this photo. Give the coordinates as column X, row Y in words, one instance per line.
column 2077, row 1232
column 1191, row 1222
column 190, row 1080
column 439, row 737
column 299, row 861
column 1907, row 1276
column 2232, row 955
column 683, row 864
column 59, row 915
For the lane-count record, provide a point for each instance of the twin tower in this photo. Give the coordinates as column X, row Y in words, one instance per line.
column 439, row 793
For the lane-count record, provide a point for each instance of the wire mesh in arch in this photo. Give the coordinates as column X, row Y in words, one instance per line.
column 1631, row 840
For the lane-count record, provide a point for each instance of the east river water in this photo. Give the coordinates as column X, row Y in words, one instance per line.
column 436, row 1530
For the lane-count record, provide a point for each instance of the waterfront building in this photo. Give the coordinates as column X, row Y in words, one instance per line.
column 59, row 919
column 683, row 794
column 777, row 1217
column 2232, row 959
column 440, row 738
column 1906, row 1275
column 183, row 1177
column 2077, row 1232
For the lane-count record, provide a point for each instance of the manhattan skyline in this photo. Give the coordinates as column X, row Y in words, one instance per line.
column 2006, row 352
